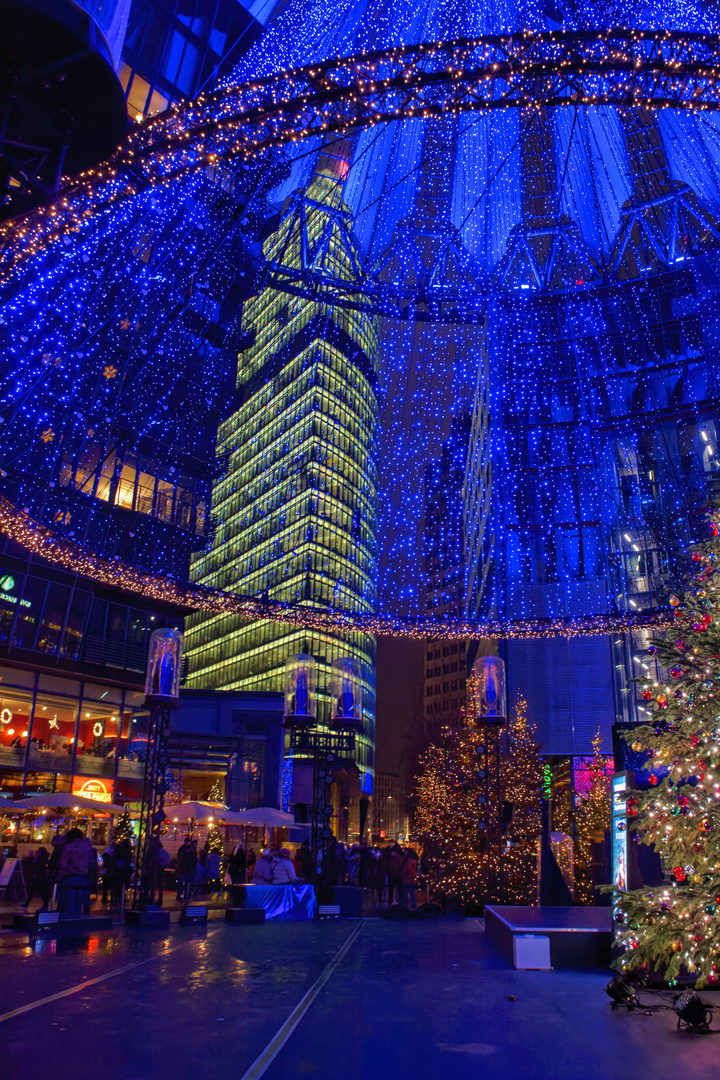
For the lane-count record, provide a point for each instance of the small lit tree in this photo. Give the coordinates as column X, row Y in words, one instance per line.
column 124, row 829
column 593, row 816
column 522, row 785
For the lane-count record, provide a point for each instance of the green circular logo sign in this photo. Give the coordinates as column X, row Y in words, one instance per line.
column 7, row 583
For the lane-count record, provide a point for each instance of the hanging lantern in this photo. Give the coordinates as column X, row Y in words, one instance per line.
column 164, row 665
column 346, row 693
column 300, row 683
column 490, row 696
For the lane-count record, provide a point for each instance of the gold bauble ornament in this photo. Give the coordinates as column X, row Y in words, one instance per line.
column 637, row 746
column 674, row 601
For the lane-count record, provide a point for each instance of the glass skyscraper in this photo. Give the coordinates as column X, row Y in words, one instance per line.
column 295, row 505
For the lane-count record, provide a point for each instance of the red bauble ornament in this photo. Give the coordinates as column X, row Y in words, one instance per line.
column 652, row 779
column 646, row 695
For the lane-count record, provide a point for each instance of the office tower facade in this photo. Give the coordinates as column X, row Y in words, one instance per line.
column 173, row 49
column 444, row 559
column 603, row 407
column 296, row 505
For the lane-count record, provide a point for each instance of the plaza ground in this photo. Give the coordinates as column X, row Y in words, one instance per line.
column 405, row 1001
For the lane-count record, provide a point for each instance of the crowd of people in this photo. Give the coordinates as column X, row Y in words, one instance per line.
column 70, row 871
column 390, row 872
column 73, row 872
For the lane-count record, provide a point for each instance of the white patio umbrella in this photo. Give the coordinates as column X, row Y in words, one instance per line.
column 62, row 800
column 199, row 812
column 266, row 816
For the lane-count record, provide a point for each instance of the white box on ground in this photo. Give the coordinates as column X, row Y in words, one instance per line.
column 531, row 951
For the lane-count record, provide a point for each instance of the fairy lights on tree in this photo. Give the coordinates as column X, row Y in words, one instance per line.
column 448, row 813
column 593, row 813
column 674, row 926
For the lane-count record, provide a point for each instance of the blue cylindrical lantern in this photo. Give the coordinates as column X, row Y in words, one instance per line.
column 300, row 683
column 346, row 693
column 164, row 665
column 489, row 692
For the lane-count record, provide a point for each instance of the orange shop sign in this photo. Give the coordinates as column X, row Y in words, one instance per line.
column 98, row 790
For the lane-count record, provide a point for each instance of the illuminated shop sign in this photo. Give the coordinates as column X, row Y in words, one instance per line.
column 7, row 584
column 100, row 791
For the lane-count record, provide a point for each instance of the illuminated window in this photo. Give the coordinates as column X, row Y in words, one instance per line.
column 137, row 97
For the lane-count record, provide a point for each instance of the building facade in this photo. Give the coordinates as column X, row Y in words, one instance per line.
column 444, row 564
column 296, row 505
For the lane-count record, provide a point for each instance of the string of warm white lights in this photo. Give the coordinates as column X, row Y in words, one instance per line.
column 625, row 68
column 43, row 542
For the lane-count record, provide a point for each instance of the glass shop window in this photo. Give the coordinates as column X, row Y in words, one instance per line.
column 87, row 469
column 145, row 492
column 107, row 472
column 137, row 627
column 158, row 103
column 75, row 626
column 184, row 503
column 164, row 497
column 117, row 622
column 98, row 614
column 98, row 734
column 29, row 609
column 137, row 97
column 53, row 618
column 126, row 487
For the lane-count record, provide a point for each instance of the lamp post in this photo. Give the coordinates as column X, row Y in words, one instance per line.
column 327, row 748
column 162, row 696
column 490, row 711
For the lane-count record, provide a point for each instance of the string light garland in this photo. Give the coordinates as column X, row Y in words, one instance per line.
column 621, row 67
column 43, row 542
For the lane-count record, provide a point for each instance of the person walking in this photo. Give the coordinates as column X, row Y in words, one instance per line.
column 305, row 860
column 186, row 867
column 408, row 877
column 161, row 865
column 236, row 866
column 212, row 871
column 250, row 864
column 39, row 882
column 394, row 879
column 77, row 864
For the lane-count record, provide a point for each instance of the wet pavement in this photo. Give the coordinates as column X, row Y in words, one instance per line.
column 406, row 1001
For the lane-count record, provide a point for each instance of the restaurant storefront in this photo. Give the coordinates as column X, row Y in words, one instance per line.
column 70, row 735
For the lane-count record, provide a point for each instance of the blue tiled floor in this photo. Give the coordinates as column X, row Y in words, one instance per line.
column 409, row 1001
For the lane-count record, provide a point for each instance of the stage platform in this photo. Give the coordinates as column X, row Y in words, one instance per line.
column 580, row 937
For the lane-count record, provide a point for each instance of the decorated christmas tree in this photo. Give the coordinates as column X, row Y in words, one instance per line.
column 217, row 792
column 123, row 828
column 675, row 927
column 214, row 839
column 174, row 794
column 523, row 780
column 593, row 816
column 449, row 813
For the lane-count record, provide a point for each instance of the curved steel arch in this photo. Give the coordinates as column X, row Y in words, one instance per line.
column 622, row 67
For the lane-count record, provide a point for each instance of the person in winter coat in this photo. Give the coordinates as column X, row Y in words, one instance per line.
column 236, row 866
column 283, row 870
column 212, row 870
column 186, row 866
column 395, row 859
column 77, row 873
column 305, row 860
column 408, row 875
column 39, row 884
column 263, row 873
